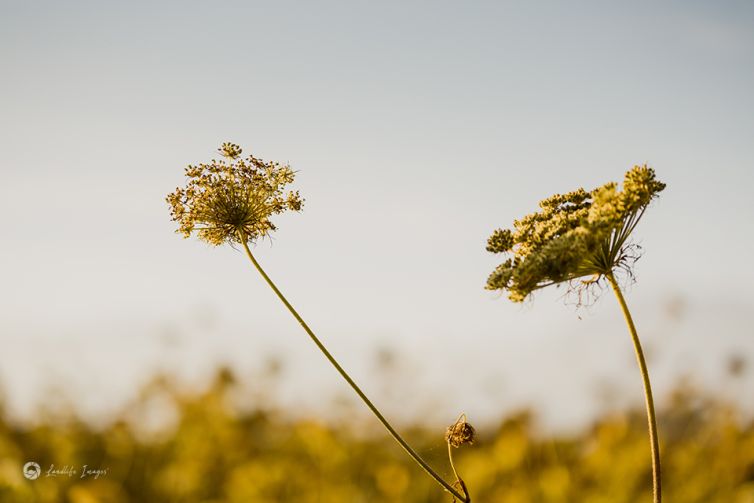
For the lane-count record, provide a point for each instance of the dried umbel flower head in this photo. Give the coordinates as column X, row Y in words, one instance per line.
column 460, row 433
column 575, row 235
column 232, row 201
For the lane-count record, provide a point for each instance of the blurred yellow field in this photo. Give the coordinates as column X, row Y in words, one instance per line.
column 217, row 453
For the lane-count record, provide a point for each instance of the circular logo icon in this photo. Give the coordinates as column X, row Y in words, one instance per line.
column 32, row 470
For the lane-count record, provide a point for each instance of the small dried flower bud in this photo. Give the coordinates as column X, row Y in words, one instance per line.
column 460, row 433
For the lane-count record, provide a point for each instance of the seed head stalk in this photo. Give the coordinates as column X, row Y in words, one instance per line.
column 581, row 234
column 459, row 480
column 411, row 452
column 654, row 442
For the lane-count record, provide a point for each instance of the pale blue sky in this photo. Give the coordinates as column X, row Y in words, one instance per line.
column 417, row 128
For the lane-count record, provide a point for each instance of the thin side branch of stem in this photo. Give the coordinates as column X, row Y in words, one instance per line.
column 411, row 452
column 459, row 480
column 654, row 441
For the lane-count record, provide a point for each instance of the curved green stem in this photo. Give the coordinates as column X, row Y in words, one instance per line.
column 411, row 452
column 654, row 442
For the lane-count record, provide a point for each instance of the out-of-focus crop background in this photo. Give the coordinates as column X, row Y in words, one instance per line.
column 417, row 128
column 223, row 445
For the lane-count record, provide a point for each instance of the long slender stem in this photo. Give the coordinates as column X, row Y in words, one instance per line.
column 654, row 441
column 411, row 452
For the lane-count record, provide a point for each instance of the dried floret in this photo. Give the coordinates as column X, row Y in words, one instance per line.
column 460, row 433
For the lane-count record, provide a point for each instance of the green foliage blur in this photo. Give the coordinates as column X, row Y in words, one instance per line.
column 215, row 451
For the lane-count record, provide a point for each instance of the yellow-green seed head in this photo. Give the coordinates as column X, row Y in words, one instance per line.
column 574, row 235
column 227, row 201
